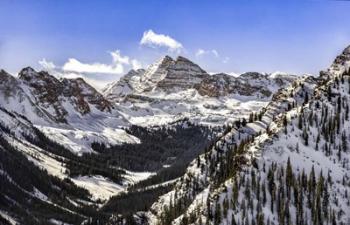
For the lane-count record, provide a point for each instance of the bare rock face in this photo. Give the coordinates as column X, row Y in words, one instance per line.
column 340, row 65
column 168, row 75
column 83, row 95
column 9, row 86
column 52, row 94
column 46, row 88
column 182, row 74
column 46, row 91
column 247, row 84
column 155, row 73
column 216, row 85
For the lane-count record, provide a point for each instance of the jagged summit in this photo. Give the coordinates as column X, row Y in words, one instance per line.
column 26, row 73
column 45, row 96
column 2, row 71
column 170, row 76
column 27, row 70
column 339, row 65
column 166, row 74
column 347, row 50
column 5, row 75
column 166, row 58
column 290, row 165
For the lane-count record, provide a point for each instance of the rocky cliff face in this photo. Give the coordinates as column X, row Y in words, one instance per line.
column 46, row 91
column 82, row 95
column 182, row 74
column 171, row 89
column 289, row 166
column 169, row 76
column 247, row 84
column 165, row 75
column 9, row 85
column 340, row 64
column 49, row 97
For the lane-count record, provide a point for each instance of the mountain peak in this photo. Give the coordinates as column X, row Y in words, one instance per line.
column 347, row 50
column 340, row 64
column 164, row 62
column 5, row 76
column 183, row 59
column 167, row 57
column 26, row 73
column 4, row 73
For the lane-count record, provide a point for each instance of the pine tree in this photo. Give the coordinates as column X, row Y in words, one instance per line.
column 344, row 142
column 325, row 202
column 285, row 123
column 306, row 98
column 289, row 177
column 300, row 122
column 271, row 186
column 217, row 218
column 306, row 137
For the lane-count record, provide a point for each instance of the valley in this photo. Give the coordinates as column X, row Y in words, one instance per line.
column 173, row 144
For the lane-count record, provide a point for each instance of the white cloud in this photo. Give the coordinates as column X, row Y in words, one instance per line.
column 47, row 65
column 201, row 52
column 95, row 82
column 215, row 53
column 116, row 67
column 136, row 64
column 91, row 72
column 155, row 40
column 226, row 60
column 59, row 73
column 74, row 65
column 118, row 58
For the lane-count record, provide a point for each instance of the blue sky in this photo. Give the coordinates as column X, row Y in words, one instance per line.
column 221, row 36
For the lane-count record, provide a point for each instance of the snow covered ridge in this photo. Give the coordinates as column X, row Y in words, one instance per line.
column 296, row 168
column 171, row 89
column 302, row 167
column 204, row 172
column 37, row 185
column 63, row 109
column 169, row 76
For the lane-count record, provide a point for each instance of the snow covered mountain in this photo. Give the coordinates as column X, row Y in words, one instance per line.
column 289, row 166
column 173, row 89
column 63, row 109
column 168, row 91
column 275, row 151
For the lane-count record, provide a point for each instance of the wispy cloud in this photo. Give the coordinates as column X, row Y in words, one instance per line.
column 226, row 60
column 92, row 72
column 118, row 58
column 47, row 65
column 117, row 66
column 74, row 65
column 201, row 52
column 154, row 40
column 57, row 71
column 211, row 53
column 136, row 64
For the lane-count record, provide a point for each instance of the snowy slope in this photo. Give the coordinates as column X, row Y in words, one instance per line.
column 294, row 169
column 203, row 171
column 20, row 128
column 63, row 109
column 171, row 89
